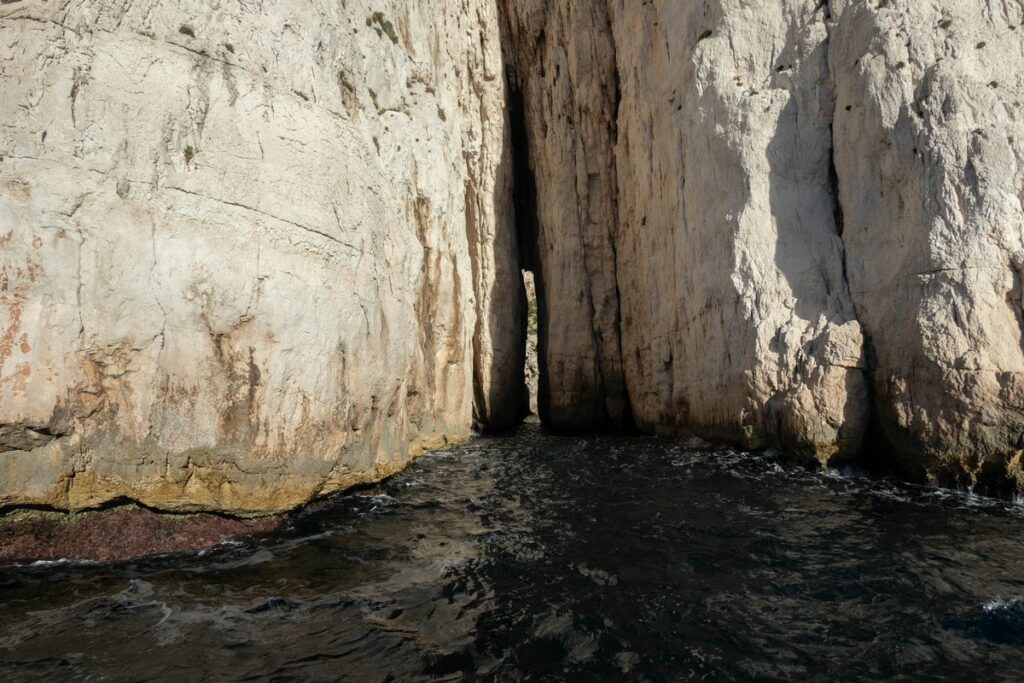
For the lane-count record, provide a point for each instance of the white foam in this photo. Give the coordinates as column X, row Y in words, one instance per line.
column 64, row 561
column 999, row 605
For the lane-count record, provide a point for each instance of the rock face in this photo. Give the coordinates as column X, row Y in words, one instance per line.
column 787, row 223
column 929, row 131
column 252, row 252
column 562, row 58
column 255, row 252
column 719, row 244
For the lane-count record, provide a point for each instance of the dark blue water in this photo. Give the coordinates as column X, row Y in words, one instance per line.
column 542, row 558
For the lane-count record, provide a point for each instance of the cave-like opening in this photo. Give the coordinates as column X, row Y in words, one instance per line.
column 531, row 370
column 524, row 196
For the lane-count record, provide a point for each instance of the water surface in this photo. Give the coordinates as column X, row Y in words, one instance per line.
column 543, row 558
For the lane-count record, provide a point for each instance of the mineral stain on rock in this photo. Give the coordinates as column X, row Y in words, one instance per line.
column 250, row 260
column 232, row 267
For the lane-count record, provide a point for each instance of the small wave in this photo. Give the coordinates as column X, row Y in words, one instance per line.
column 598, row 576
column 849, row 473
column 271, row 605
column 1001, row 605
column 62, row 562
column 226, row 543
column 1003, row 621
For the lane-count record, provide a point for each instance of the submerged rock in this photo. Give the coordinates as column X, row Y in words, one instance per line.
column 117, row 534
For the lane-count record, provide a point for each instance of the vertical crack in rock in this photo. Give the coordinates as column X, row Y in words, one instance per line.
column 524, row 193
column 620, row 394
column 561, row 59
column 872, row 445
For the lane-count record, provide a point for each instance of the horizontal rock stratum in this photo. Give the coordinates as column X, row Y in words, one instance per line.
column 252, row 253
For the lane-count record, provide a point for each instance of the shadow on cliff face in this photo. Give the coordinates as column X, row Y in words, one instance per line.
column 810, row 257
column 501, row 398
column 575, row 394
column 516, row 161
column 501, row 395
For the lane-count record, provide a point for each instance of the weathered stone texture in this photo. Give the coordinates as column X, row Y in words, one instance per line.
column 254, row 252
column 929, row 132
column 739, row 323
column 704, row 130
column 808, row 221
column 248, row 248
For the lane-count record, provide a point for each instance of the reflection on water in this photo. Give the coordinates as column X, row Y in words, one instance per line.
column 542, row 557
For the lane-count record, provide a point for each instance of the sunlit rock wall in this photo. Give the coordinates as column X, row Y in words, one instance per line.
column 799, row 223
column 252, row 252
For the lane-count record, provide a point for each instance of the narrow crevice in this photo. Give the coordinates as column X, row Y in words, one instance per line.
column 837, row 205
column 873, row 444
column 524, row 185
column 524, row 201
column 596, row 399
column 626, row 422
column 877, row 445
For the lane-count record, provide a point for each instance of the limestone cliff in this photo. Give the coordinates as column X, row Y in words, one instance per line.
column 252, row 252
column 793, row 223
column 929, row 131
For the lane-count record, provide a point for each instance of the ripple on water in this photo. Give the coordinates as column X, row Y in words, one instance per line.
column 1003, row 621
column 544, row 557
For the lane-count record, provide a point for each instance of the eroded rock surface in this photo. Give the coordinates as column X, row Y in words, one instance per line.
column 929, row 131
column 252, row 252
column 704, row 129
column 257, row 252
column 802, row 222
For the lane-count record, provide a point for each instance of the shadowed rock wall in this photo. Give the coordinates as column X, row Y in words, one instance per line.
column 800, row 222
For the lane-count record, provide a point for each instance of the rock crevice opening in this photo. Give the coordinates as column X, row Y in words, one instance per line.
column 749, row 235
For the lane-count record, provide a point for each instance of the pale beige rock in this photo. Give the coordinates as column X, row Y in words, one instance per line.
column 930, row 156
column 248, row 248
column 738, row 323
column 766, row 290
column 700, row 169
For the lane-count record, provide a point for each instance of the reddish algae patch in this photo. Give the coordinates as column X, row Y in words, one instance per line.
column 116, row 534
